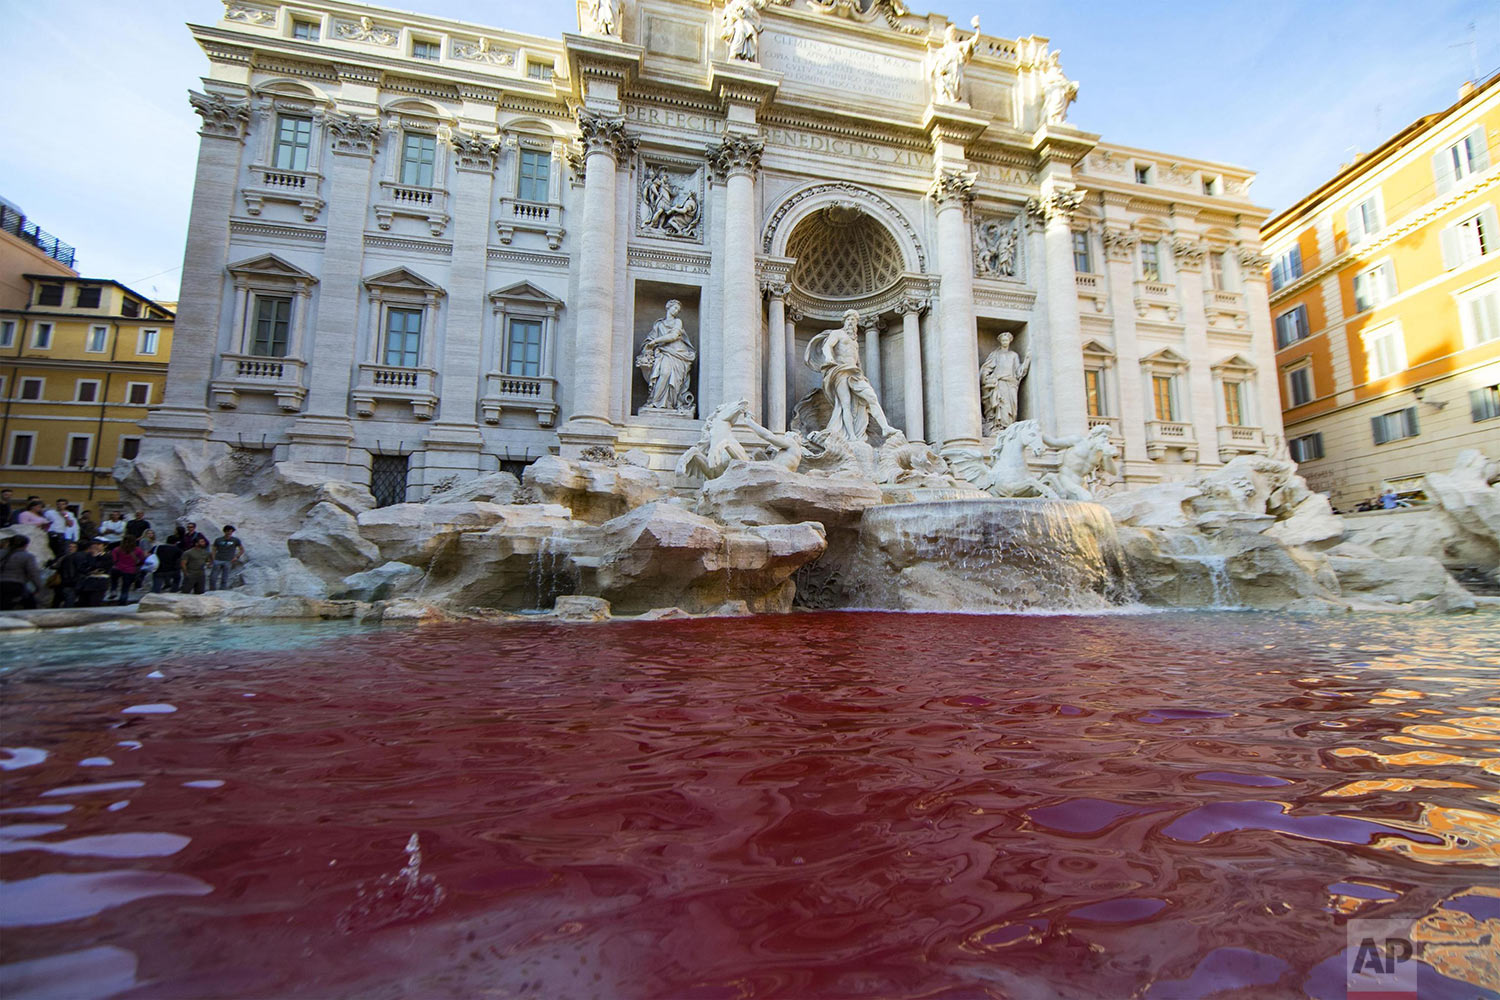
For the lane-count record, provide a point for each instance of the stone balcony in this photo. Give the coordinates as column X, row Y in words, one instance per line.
column 1165, row 435
column 1151, row 295
column 240, row 373
column 426, row 203
column 1235, row 439
column 1091, row 288
column 297, row 187
column 519, row 392
column 1225, row 308
column 530, row 216
column 413, row 386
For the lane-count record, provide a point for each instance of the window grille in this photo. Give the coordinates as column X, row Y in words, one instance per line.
column 388, row 479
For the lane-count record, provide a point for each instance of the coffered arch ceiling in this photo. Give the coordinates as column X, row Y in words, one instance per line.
column 841, row 253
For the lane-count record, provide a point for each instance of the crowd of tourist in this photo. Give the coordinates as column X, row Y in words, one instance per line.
column 89, row 564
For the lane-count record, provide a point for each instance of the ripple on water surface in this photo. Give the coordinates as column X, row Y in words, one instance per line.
column 832, row 805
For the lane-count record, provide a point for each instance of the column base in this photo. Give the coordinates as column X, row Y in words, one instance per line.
column 582, row 433
column 960, row 444
column 326, row 443
column 183, row 423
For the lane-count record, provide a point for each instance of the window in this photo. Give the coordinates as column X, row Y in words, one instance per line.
column 88, row 297
column 293, row 142
column 1364, row 221
column 1216, row 269
column 1151, row 261
column 1299, row 385
column 147, row 342
column 41, row 337
column 98, row 339
column 1143, row 175
column 32, row 388
column 1291, row 326
column 1234, row 404
column 1374, row 287
column 130, row 447
column 305, row 30
column 1286, row 268
column 1093, row 387
column 388, row 479
column 1385, row 351
column 1470, row 239
column 1469, row 155
column 77, row 455
column 1395, row 426
column 1164, row 396
column 1307, row 448
column 539, row 70
column 1082, row 261
column 49, row 295
column 7, row 333
column 138, row 393
column 418, row 154
column 1479, row 314
column 21, row 446
column 536, row 175
column 130, row 308
column 421, row 48
column 86, row 391
column 272, row 326
column 403, row 338
column 523, row 351
column 1484, row 404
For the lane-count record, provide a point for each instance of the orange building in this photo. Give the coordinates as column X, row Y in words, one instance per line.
column 1385, row 301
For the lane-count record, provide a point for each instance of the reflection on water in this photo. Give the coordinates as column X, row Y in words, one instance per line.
column 830, row 805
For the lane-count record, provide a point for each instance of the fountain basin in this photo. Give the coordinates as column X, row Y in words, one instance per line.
column 988, row 555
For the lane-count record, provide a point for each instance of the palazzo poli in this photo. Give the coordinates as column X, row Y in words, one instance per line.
column 421, row 250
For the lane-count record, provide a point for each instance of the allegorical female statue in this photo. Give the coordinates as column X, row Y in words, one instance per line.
column 948, row 64
column 1057, row 91
column 835, row 354
column 605, row 17
column 741, row 30
column 1000, row 385
column 666, row 362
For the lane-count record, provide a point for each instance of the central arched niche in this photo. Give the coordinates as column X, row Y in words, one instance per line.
column 843, row 255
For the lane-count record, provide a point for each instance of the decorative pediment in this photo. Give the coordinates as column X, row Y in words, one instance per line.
column 525, row 295
column 1234, row 365
column 1098, row 353
column 1166, row 361
column 403, row 280
column 271, row 267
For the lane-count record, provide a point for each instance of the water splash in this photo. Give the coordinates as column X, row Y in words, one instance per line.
column 392, row 899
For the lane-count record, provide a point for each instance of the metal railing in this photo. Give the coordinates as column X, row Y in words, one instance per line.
column 15, row 223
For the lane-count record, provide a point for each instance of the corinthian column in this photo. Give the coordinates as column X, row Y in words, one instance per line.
column 737, row 159
column 1069, row 403
column 776, row 363
column 911, row 361
column 606, row 144
column 953, row 191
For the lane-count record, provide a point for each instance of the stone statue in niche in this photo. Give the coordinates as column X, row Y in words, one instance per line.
column 1057, row 91
column 666, row 362
column 668, row 208
column 1083, row 458
column 835, row 355
column 1000, row 385
column 604, row 17
column 999, row 246
column 948, row 65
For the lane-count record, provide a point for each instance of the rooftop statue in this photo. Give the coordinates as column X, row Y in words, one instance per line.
column 948, row 64
column 604, row 17
column 1000, row 385
column 1057, row 91
column 741, row 29
column 666, row 362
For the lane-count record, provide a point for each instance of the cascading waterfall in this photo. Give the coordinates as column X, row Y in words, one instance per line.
column 989, row 555
column 1194, row 549
column 552, row 573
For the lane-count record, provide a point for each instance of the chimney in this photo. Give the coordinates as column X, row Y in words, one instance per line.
column 1465, row 89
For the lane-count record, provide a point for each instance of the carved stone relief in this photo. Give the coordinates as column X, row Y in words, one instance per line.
column 482, row 51
column 222, row 118
column 997, row 247
column 1119, row 244
column 1188, row 254
column 352, row 134
column 671, row 202
column 365, row 30
column 249, row 13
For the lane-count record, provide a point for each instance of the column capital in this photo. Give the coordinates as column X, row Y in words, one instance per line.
column 1253, row 261
column 473, row 151
column 776, row 288
column 353, row 135
column 910, row 304
column 953, row 187
column 1188, row 254
column 1057, row 205
column 605, row 134
column 223, row 117
column 1118, row 243
column 737, row 154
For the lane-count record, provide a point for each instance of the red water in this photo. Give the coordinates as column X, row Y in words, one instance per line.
column 812, row 806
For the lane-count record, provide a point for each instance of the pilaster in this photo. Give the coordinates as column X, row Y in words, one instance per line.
column 1187, row 259
column 1119, row 255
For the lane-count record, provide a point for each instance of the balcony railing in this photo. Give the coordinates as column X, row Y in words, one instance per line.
column 414, row 386
column 1164, row 434
column 1159, row 294
column 1091, row 287
column 15, row 223
column 427, row 203
column 533, row 393
column 1226, row 305
column 530, row 216
column 298, row 187
column 1113, row 423
column 240, row 373
column 1237, row 439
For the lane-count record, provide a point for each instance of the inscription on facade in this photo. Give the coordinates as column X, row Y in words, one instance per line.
column 844, row 69
column 684, row 121
column 851, row 149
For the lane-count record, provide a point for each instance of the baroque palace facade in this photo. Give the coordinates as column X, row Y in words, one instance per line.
column 1385, row 296
column 422, row 249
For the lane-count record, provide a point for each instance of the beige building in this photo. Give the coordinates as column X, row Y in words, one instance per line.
column 1386, row 304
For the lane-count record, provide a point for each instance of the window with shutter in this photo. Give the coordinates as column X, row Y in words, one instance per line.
column 1484, row 404
column 1307, row 448
column 1479, row 314
column 1469, row 239
column 1299, row 385
column 1374, row 287
column 1385, row 351
column 1451, row 165
column 1291, row 326
column 1286, row 268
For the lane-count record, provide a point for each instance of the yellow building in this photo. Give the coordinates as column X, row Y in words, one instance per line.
column 80, row 362
column 1385, row 299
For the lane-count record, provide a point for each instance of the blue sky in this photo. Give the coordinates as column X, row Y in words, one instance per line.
column 103, row 157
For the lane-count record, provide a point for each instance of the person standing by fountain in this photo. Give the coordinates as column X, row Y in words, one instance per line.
column 849, row 393
column 1000, row 385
